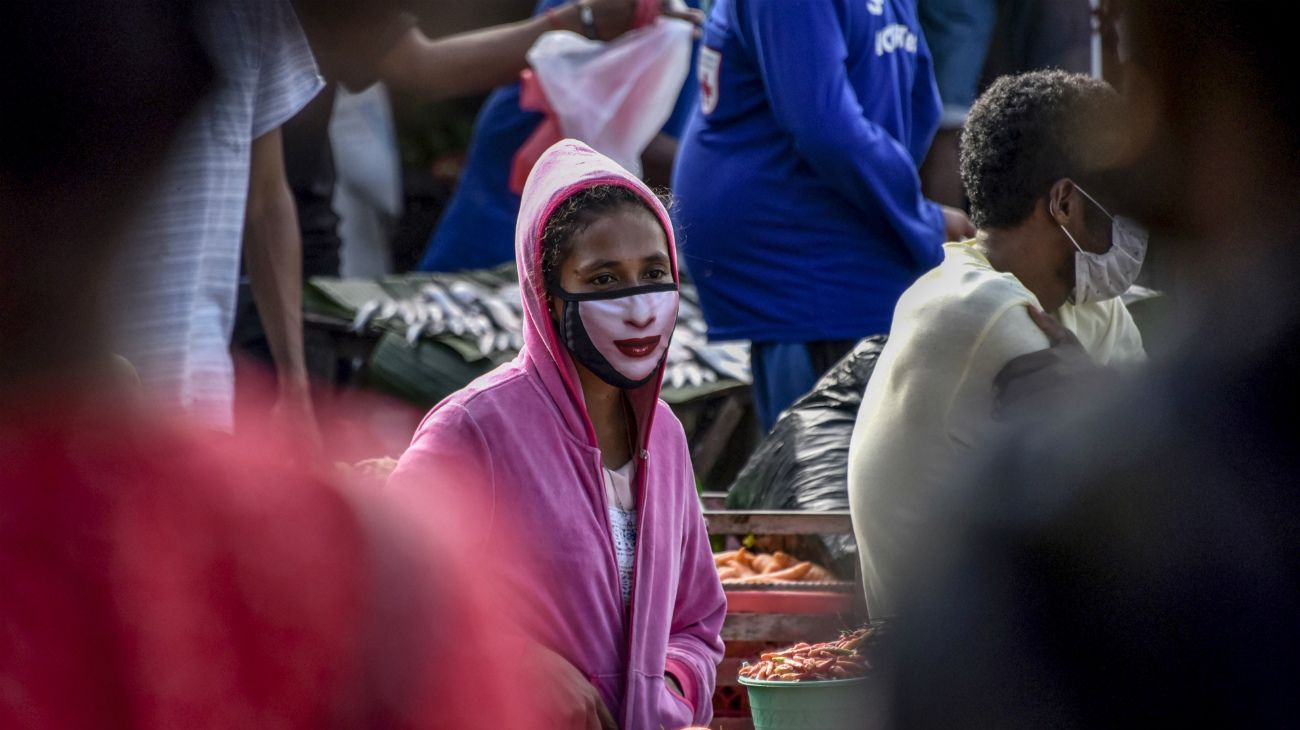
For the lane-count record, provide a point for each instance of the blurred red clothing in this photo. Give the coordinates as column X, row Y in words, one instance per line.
column 157, row 577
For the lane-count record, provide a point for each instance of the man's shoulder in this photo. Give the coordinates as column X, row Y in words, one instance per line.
column 965, row 286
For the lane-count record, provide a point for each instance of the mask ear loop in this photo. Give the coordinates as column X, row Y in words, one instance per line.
column 1094, row 202
column 1062, row 227
column 1099, row 206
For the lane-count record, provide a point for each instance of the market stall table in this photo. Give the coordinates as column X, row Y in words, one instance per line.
column 763, row 617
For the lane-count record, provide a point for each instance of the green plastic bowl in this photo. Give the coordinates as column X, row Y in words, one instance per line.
column 829, row 704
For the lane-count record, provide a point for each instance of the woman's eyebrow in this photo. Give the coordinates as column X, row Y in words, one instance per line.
column 599, row 264
column 654, row 258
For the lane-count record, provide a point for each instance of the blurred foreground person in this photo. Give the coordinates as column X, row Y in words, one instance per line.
column 572, row 434
column 155, row 575
column 1044, row 244
column 1138, row 563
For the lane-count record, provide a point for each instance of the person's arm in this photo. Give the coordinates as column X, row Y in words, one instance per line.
column 480, row 60
column 802, row 61
column 657, row 161
column 660, row 155
column 463, row 64
column 694, row 638
column 273, row 256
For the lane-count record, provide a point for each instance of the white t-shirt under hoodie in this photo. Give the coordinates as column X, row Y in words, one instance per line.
column 928, row 407
column 622, row 523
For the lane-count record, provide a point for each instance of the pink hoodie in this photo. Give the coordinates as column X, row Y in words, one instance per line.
column 520, row 440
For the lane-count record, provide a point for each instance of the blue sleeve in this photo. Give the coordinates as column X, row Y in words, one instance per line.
column 689, row 95
column 803, row 69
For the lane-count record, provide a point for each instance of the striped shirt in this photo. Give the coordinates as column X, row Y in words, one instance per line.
column 174, row 294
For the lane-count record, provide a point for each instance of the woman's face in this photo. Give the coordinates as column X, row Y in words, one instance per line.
column 622, row 250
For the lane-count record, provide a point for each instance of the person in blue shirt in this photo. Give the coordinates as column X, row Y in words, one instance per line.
column 477, row 230
column 799, row 201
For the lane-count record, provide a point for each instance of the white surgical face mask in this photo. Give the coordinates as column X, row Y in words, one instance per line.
column 1102, row 276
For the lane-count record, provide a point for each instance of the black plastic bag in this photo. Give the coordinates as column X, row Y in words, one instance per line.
column 802, row 464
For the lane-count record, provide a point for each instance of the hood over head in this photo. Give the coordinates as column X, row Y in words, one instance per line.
column 565, row 169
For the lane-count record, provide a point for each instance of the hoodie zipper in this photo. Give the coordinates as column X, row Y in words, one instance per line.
column 641, row 457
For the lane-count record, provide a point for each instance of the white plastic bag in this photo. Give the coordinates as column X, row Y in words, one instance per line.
column 614, row 96
column 368, row 189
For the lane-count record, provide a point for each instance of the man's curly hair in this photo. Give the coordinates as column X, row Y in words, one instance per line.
column 1023, row 134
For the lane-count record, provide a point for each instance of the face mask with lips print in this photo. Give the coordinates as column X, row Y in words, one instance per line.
column 622, row 335
column 1102, row 276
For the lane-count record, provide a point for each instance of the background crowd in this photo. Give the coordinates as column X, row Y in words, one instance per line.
column 1120, row 549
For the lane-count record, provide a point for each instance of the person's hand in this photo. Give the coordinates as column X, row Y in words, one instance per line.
column 956, row 224
column 1039, row 379
column 567, row 701
column 1058, row 335
column 613, row 18
column 669, row 9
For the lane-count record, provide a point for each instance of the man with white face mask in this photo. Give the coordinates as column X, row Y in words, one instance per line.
column 1045, row 244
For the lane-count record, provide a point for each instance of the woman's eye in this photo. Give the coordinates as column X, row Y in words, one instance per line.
column 656, row 274
column 602, row 280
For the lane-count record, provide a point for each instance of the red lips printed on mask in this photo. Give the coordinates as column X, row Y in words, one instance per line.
column 638, row 348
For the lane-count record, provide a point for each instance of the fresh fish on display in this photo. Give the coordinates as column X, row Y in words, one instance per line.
column 477, row 320
column 502, row 343
column 455, row 315
column 482, row 324
column 677, row 352
column 694, row 374
column 464, row 292
column 675, row 376
column 365, row 314
column 730, row 360
column 501, row 314
column 437, row 318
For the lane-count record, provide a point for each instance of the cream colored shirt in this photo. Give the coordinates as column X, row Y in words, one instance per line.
column 929, row 404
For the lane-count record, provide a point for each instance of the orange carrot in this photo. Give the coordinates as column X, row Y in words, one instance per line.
column 794, row 573
column 721, row 559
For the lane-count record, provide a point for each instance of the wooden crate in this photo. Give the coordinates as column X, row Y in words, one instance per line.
column 777, row 522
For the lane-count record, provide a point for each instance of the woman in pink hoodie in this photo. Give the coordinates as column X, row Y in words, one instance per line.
column 573, row 462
